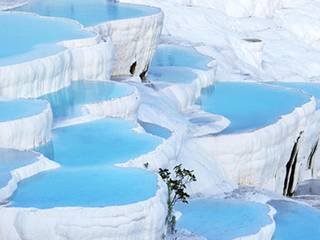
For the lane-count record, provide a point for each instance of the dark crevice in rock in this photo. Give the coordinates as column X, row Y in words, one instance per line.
column 291, row 169
column 143, row 75
column 312, row 153
column 133, row 68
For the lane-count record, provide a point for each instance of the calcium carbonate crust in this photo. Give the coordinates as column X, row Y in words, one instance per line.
column 134, row 40
column 122, row 107
column 28, row 132
column 241, row 8
column 9, row 4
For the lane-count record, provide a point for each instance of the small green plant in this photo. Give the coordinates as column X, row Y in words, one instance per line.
column 176, row 183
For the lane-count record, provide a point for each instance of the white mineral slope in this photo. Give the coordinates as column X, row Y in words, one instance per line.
column 143, row 220
column 211, row 177
column 123, row 107
column 134, row 39
column 28, row 132
column 285, row 56
column 88, row 58
column 10, row 4
column 259, row 157
column 42, row 164
column 309, row 150
column 241, row 8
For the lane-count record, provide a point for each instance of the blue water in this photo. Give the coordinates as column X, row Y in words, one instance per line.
column 87, row 12
column 223, row 219
column 172, row 75
column 20, row 108
column 25, row 37
column 178, row 56
column 309, row 88
column 156, row 130
column 88, row 178
column 11, row 160
column 68, row 101
column 295, row 221
column 249, row 106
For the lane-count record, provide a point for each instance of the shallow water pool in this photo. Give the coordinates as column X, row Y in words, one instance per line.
column 175, row 75
column 168, row 55
column 87, row 153
column 249, row 106
column 68, row 102
column 223, row 219
column 20, row 108
column 295, row 221
column 25, row 37
column 88, row 13
column 156, row 130
column 309, row 88
column 11, row 160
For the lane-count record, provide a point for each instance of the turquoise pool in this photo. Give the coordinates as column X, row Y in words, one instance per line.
column 68, row 102
column 295, row 221
column 249, row 106
column 20, row 108
column 223, row 219
column 309, row 88
column 25, row 37
column 171, row 75
column 156, row 130
column 87, row 153
column 178, row 56
column 88, row 13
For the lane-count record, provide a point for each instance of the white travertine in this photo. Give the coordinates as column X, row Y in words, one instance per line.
column 134, row 40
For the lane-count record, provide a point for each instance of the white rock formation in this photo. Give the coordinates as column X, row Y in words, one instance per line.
column 242, row 8
column 123, row 107
column 9, row 4
column 249, row 50
column 134, row 40
column 309, row 154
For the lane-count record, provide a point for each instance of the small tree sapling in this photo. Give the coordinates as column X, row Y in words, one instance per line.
column 176, row 183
